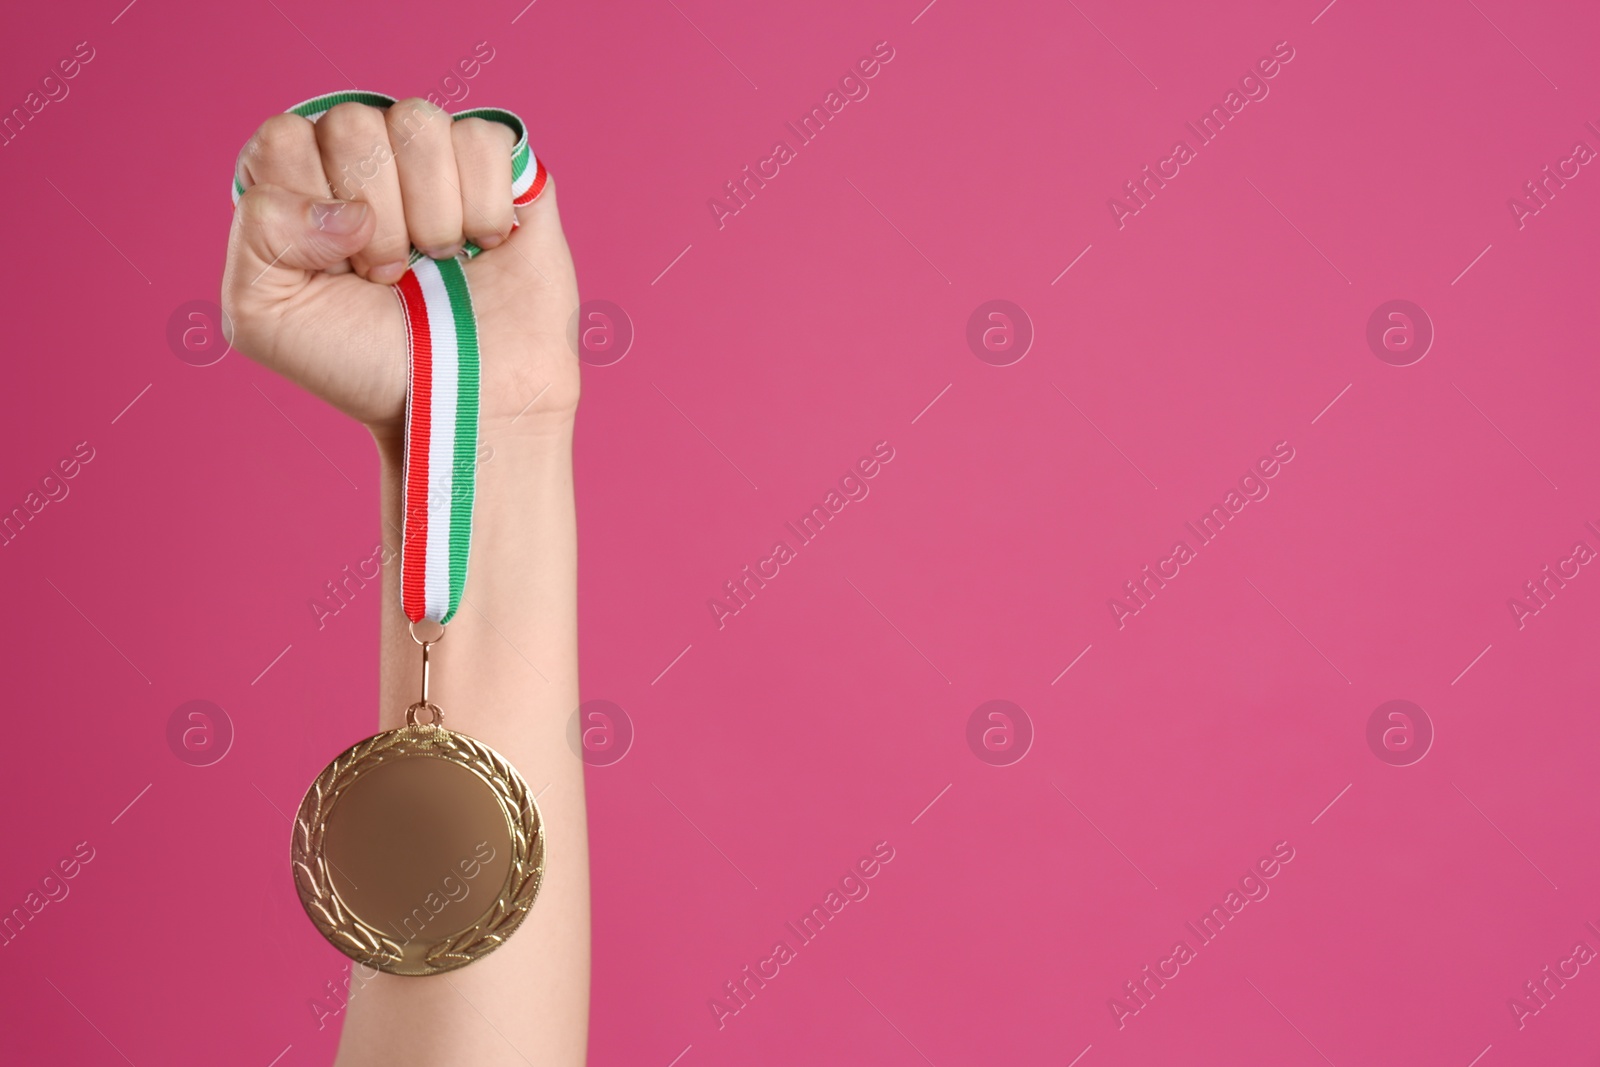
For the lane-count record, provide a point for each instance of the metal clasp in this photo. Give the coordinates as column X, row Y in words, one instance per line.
column 435, row 715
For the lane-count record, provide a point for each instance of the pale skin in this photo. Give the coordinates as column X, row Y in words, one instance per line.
column 319, row 238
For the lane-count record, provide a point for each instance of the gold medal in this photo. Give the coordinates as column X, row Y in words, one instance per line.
column 419, row 849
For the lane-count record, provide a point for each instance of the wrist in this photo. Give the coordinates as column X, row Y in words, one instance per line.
column 534, row 438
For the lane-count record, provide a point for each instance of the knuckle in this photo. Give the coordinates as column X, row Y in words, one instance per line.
column 278, row 136
column 470, row 127
column 481, row 135
column 412, row 118
column 254, row 206
column 350, row 125
column 356, row 137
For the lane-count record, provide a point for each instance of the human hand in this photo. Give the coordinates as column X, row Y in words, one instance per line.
column 307, row 287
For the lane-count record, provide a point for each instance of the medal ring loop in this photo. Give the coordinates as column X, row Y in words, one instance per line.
column 435, row 715
column 425, row 642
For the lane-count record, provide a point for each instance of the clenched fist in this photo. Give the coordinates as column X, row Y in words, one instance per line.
column 329, row 214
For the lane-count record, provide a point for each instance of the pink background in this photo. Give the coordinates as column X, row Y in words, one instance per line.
column 1226, row 717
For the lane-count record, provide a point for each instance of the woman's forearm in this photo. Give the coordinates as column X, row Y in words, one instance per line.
column 507, row 674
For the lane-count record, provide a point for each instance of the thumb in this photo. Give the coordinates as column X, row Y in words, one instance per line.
column 279, row 236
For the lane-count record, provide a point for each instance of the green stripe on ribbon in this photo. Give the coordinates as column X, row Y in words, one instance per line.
column 318, row 104
column 464, row 470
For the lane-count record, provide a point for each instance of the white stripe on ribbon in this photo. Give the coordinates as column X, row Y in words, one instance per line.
column 442, row 436
column 524, row 181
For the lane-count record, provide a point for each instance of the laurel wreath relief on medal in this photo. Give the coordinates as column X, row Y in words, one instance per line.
column 365, row 943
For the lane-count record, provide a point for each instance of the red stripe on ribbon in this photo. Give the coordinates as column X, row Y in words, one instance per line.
column 414, row 554
column 539, row 177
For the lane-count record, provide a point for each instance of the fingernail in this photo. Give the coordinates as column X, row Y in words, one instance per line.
column 491, row 240
column 387, row 273
column 338, row 216
column 443, row 253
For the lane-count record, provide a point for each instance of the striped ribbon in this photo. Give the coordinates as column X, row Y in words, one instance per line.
column 439, row 483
